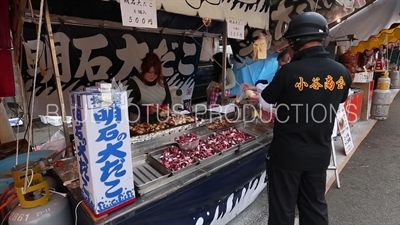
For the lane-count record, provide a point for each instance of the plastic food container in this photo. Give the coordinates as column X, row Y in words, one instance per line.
column 188, row 141
column 188, row 146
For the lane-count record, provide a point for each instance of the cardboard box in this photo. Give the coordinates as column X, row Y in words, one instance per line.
column 102, row 141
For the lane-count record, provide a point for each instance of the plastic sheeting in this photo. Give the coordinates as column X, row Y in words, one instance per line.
column 259, row 70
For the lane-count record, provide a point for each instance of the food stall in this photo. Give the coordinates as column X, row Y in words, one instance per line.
column 213, row 182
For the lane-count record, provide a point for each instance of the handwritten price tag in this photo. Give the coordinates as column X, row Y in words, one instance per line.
column 235, row 29
column 139, row 13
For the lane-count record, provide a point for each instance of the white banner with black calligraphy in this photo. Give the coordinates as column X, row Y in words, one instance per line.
column 89, row 55
column 255, row 13
column 282, row 11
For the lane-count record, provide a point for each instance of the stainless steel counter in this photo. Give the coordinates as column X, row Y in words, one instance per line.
column 68, row 171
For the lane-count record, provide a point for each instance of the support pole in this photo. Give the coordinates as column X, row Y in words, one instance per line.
column 19, row 17
column 57, row 77
column 335, row 165
column 224, row 63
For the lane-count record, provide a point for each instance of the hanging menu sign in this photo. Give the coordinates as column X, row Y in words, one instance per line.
column 235, row 28
column 139, row 13
column 344, row 129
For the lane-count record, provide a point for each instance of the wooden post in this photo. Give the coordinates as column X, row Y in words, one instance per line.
column 57, row 77
column 19, row 15
column 224, row 62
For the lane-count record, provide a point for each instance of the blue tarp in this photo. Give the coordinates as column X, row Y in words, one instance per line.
column 259, row 70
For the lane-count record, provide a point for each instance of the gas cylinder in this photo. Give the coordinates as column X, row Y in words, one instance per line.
column 51, row 183
column 384, row 82
column 36, row 204
column 380, row 104
column 56, row 211
column 394, row 79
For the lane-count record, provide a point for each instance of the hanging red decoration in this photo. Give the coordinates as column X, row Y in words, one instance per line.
column 7, row 84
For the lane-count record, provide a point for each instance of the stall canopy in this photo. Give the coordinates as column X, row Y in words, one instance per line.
column 369, row 21
column 108, row 14
column 282, row 11
column 384, row 37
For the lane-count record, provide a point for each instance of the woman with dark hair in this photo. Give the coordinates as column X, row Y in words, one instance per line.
column 149, row 91
column 214, row 89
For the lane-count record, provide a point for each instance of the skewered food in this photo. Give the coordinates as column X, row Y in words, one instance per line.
column 218, row 124
column 145, row 128
column 180, row 120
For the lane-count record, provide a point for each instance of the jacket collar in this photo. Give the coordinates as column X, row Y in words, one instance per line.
column 313, row 52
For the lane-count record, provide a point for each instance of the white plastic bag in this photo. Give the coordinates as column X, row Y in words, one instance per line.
column 57, row 142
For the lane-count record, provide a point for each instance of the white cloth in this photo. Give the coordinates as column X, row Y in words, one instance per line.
column 207, row 49
column 264, row 105
column 230, row 79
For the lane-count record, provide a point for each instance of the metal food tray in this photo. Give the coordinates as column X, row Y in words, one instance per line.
column 155, row 154
column 226, row 150
column 256, row 128
column 149, row 136
column 210, row 158
column 148, row 171
column 222, row 128
column 206, row 115
column 238, row 127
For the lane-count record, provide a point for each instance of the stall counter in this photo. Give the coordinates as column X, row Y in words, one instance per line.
column 216, row 191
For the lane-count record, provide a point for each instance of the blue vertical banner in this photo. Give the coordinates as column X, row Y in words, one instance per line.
column 101, row 131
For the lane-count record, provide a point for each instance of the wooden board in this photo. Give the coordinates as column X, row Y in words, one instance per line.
column 91, row 215
column 9, row 148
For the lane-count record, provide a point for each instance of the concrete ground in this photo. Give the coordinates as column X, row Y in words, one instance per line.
column 370, row 192
column 370, row 180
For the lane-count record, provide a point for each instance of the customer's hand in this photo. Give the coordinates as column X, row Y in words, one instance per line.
column 254, row 98
column 246, row 87
column 153, row 108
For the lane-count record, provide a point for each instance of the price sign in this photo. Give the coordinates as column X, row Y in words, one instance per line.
column 344, row 129
column 139, row 13
column 235, row 29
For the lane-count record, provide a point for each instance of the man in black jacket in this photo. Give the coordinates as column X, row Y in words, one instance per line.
column 307, row 91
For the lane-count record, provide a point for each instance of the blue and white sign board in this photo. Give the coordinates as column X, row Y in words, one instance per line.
column 101, row 131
